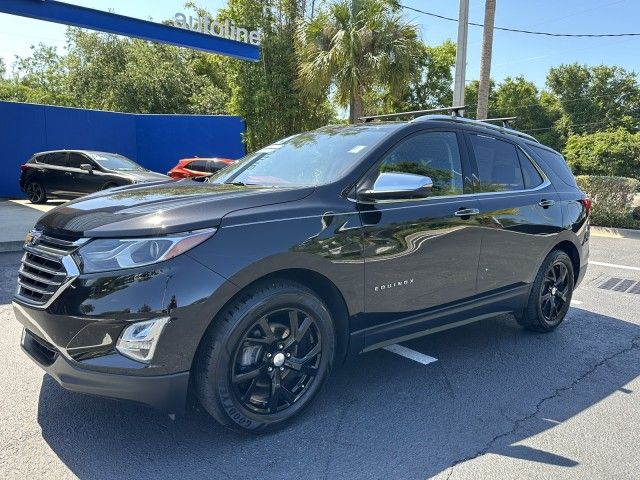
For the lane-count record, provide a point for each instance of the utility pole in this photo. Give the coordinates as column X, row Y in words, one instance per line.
column 461, row 54
column 485, row 60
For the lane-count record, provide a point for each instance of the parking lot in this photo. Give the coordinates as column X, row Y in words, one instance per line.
column 498, row 402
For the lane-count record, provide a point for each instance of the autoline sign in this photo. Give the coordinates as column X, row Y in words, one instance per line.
column 228, row 29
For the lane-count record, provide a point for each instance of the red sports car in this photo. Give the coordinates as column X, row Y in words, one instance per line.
column 198, row 167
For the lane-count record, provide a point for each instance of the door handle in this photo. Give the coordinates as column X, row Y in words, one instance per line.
column 544, row 203
column 466, row 212
column 68, row 173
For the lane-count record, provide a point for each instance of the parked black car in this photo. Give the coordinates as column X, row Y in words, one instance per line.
column 249, row 288
column 73, row 173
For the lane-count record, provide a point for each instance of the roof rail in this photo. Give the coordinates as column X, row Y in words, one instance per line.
column 455, row 111
column 506, row 121
column 477, row 123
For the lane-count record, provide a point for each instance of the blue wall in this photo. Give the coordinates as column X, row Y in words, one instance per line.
column 156, row 142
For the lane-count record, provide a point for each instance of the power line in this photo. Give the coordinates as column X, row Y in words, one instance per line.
column 530, row 32
column 562, row 101
column 571, row 125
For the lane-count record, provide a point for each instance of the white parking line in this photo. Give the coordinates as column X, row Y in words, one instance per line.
column 576, row 302
column 410, row 354
column 614, row 265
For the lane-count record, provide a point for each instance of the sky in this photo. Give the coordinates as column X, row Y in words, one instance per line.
column 513, row 54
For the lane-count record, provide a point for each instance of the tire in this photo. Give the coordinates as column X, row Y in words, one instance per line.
column 36, row 193
column 550, row 295
column 253, row 380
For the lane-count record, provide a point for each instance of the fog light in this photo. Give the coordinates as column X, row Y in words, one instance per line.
column 138, row 341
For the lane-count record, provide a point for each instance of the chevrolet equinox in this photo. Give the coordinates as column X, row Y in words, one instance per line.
column 245, row 290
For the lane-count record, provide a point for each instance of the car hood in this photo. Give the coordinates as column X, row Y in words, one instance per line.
column 160, row 208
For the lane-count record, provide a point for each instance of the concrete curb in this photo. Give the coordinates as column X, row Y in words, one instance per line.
column 11, row 246
column 615, row 232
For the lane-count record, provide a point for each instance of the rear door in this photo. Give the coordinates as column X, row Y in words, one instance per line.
column 55, row 176
column 519, row 211
column 419, row 253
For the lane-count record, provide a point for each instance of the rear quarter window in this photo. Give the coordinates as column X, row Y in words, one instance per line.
column 555, row 162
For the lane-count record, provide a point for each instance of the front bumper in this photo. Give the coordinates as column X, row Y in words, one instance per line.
column 166, row 393
column 74, row 338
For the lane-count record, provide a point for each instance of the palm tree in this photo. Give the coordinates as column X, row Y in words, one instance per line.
column 485, row 60
column 356, row 47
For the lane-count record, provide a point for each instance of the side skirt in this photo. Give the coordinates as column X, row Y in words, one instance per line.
column 439, row 319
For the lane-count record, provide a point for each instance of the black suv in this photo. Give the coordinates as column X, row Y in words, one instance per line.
column 247, row 289
column 73, row 173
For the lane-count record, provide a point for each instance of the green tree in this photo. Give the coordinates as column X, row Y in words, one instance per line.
column 356, row 47
column 534, row 110
column 114, row 73
column 611, row 152
column 266, row 93
column 595, row 98
column 41, row 78
column 430, row 86
column 471, row 98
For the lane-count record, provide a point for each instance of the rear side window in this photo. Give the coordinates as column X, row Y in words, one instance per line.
column 198, row 166
column 57, row 158
column 498, row 164
column 556, row 163
column 532, row 177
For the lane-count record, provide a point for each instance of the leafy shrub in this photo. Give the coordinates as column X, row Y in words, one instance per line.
column 610, row 152
column 609, row 193
column 635, row 213
column 612, row 199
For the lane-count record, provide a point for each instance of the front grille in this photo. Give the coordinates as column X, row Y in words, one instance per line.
column 46, row 268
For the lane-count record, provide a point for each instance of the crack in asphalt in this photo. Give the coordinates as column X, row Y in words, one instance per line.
column 335, row 435
column 557, row 392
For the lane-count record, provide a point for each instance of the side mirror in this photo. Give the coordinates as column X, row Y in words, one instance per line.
column 395, row 185
column 87, row 166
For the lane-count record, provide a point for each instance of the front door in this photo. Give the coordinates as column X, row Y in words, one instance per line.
column 421, row 253
column 55, row 175
column 84, row 181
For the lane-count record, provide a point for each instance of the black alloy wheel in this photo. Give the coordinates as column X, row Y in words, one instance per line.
column 276, row 361
column 265, row 356
column 36, row 193
column 555, row 291
column 550, row 295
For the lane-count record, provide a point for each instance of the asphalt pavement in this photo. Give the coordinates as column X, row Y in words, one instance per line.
column 498, row 402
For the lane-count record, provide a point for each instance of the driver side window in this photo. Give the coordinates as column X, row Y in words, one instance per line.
column 431, row 154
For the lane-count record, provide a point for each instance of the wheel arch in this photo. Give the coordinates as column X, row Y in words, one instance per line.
column 570, row 249
column 322, row 286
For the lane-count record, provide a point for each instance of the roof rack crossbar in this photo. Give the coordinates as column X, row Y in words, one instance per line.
column 455, row 111
column 506, row 121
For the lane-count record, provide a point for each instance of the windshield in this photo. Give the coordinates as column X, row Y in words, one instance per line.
column 308, row 159
column 113, row 161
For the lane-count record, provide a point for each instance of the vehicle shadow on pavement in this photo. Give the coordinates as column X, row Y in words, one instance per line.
column 380, row 415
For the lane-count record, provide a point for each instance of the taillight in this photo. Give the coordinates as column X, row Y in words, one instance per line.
column 23, row 168
column 227, row 162
column 586, row 203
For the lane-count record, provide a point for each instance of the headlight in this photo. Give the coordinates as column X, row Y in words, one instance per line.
column 106, row 254
column 139, row 340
